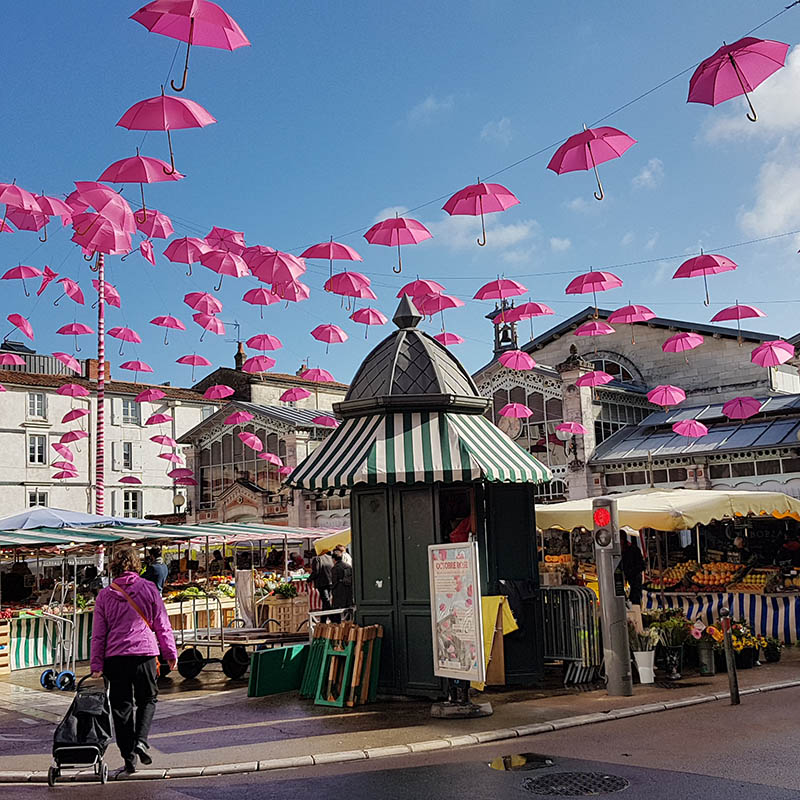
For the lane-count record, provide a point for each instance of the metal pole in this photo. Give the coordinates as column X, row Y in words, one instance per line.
column 100, row 489
column 697, row 533
column 730, row 661
column 285, row 555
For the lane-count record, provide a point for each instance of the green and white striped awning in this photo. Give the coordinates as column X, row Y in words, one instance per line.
column 417, row 447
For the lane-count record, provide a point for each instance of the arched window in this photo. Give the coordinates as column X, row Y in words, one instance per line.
column 615, row 369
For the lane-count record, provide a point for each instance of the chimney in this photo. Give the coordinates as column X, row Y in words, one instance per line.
column 240, row 357
column 90, row 369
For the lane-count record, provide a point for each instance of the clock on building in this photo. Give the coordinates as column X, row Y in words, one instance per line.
column 511, row 426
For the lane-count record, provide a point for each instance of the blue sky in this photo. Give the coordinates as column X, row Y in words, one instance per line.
column 340, row 113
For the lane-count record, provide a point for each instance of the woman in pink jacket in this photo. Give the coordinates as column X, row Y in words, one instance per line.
column 130, row 628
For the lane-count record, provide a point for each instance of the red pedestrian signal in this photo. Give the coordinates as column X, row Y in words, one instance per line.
column 602, row 517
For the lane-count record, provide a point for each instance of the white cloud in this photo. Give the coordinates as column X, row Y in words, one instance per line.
column 652, row 241
column 461, row 232
column 429, row 108
column 499, row 131
column 577, row 204
column 559, row 245
column 627, row 239
column 650, row 175
column 519, row 256
column 390, row 211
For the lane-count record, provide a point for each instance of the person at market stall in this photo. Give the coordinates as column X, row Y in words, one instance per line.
column 217, row 565
column 322, row 578
column 129, row 630
column 342, row 581
column 633, row 568
column 296, row 561
column 740, row 550
column 156, row 571
column 13, row 583
column 790, row 550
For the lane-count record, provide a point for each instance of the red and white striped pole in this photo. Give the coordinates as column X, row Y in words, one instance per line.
column 100, row 445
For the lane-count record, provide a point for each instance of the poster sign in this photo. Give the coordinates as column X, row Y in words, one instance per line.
column 456, row 611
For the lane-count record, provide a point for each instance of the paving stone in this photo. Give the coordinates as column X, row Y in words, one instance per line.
column 185, row 772
column 286, row 763
column 391, row 750
column 231, row 769
column 17, row 776
column 578, row 721
column 496, row 736
column 532, row 730
column 687, row 701
column 431, row 744
column 461, row 741
column 635, row 711
column 335, row 758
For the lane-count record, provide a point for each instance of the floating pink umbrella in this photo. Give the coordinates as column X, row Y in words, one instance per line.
column 238, row 417
column 186, row 482
column 73, row 436
column 431, row 304
column 209, row 323
column 260, row 297
column 165, row 440
column 168, row 322
column 593, row 282
column 255, row 254
column 149, row 396
column 11, row 360
column 367, row 317
column 285, row 470
column 331, row 251
column 330, row 334
column 500, row 289
column 264, row 341
column 448, row 339
column 292, row 291
column 258, row 364
column 203, row 302
column 595, row 378
column 124, row 335
column 226, row 239
column 130, row 479
column 47, row 276
column 326, row 421
column 272, row 458
column 251, row 440
column 52, row 207
column 515, row 411
column 575, row 428
column 294, row 394
column 690, row 428
column 594, row 327
column 6, row 227
column 75, row 329
column 71, row 290
column 109, row 204
column 736, row 69
column 629, row 315
column 16, row 197
column 173, row 458
column 318, row 375
column 772, row 353
column 65, row 475
column 350, row 284
column 666, row 396
column 218, row 392
column 72, row 390
column 480, row 198
column 682, row 342
column 738, row 312
column 26, row 220
column 111, row 294
column 157, row 225
column 76, row 413
column 705, row 264
column 278, row 267
column 22, row 272
column 193, row 360
column 420, row 288
column 224, row 263
column 180, row 472
column 69, row 361
column 589, row 148
column 164, row 113
column 395, row 232
column 516, row 359
column 741, row 408
column 22, row 324
column 65, row 465
column 527, row 310
column 146, row 249
column 63, row 450
column 136, row 367
column 158, row 419
column 96, row 234
column 186, row 250
column 196, row 22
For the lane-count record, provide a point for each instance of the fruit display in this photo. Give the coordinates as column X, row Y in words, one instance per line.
column 758, row 581
column 672, row 576
column 714, row 576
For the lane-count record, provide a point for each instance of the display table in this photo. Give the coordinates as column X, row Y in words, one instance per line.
column 33, row 640
column 775, row 615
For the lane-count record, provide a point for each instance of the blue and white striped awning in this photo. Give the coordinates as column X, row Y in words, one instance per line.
column 417, row 447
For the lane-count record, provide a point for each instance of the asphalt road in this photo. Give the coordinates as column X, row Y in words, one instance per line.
column 713, row 752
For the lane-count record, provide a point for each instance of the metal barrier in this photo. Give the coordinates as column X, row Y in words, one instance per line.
column 572, row 632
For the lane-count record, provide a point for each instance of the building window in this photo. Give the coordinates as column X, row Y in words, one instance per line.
column 37, row 405
column 131, row 504
column 615, row 369
column 130, row 412
column 615, row 416
column 127, row 455
column 37, row 449
column 37, row 499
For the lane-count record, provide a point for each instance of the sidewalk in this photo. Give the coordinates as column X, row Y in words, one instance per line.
column 209, row 726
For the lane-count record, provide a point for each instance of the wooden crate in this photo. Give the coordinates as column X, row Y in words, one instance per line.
column 288, row 613
column 5, row 647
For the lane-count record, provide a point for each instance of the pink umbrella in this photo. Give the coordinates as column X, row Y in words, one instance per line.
column 500, row 289
column 125, row 335
column 264, row 341
column 180, row 472
column 741, row 407
column 186, row 482
column 318, row 375
column 395, row 232
column 238, row 417
column 63, row 450
column 516, row 359
column 158, row 419
column 260, row 297
column 146, row 249
column 258, row 364
column 168, row 322
column 65, row 475
column 480, row 198
column 165, row 440
column 278, row 267
column 224, row 263
column 157, row 225
column 71, row 290
column 163, row 113
column 203, row 302
column 73, row 436
column 738, row 312
column 330, row 334
column 254, row 256
column 110, row 205
column 595, row 378
column 75, row 329
column 705, row 264
column 448, row 338
column 26, row 220
column 593, row 328
column 69, row 361
column 6, row 227
column 331, row 251
column 589, row 148
column 194, row 360
column 52, row 207
column 47, row 276
column 251, row 440
column 350, row 284
column 131, row 479
column 226, row 239
column 575, row 428
column 22, row 324
column 218, row 392
column 292, row 291
column 285, row 470
column 21, row 273
column 326, row 421
column 186, row 250
column 209, row 323
column 593, row 282
column 149, row 396
column 772, row 353
column 666, row 396
column 736, row 69
column 76, row 413
column 65, row 465
column 136, row 367
column 2, row 388
column 516, row 411
column 367, row 317
column 294, row 394
column 420, row 288
column 431, row 304
column 72, row 390
column 11, row 360
column 690, row 428
column 16, row 197
column 173, row 458
column 111, row 294
column 272, row 458
column 681, row 342
column 527, row 310
column 628, row 315
column 99, row 235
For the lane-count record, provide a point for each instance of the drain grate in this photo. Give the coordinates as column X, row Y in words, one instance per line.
column 574, row 784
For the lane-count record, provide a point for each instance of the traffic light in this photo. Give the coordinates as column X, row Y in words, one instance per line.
column 606, row 527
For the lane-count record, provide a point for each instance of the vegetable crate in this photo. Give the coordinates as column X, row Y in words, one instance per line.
column 5, row 647
column 288, row 613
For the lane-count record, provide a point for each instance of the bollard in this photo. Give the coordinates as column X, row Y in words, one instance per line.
column 730, row 661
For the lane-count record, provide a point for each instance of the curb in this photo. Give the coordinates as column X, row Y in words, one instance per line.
column 443, row 743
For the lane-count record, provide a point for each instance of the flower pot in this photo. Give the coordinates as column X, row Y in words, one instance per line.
column 745, row 659
column 645, row 665
column 673, row 661
column 772, row 654
column 705, row 657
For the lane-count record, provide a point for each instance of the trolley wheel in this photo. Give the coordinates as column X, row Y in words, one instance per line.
column 190, row 663
column 53, row 774
column 48, row 679
column 65, row 681
column 103, row 772
column 163, row 667
column 235, row 662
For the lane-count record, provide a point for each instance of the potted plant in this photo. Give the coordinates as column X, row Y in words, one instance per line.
column 673, row 630
column 643, row 646
column 745, row 645
column 706, row 637
column 772, row 650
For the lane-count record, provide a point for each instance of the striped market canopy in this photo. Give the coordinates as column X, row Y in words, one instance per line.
column 417, row 447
